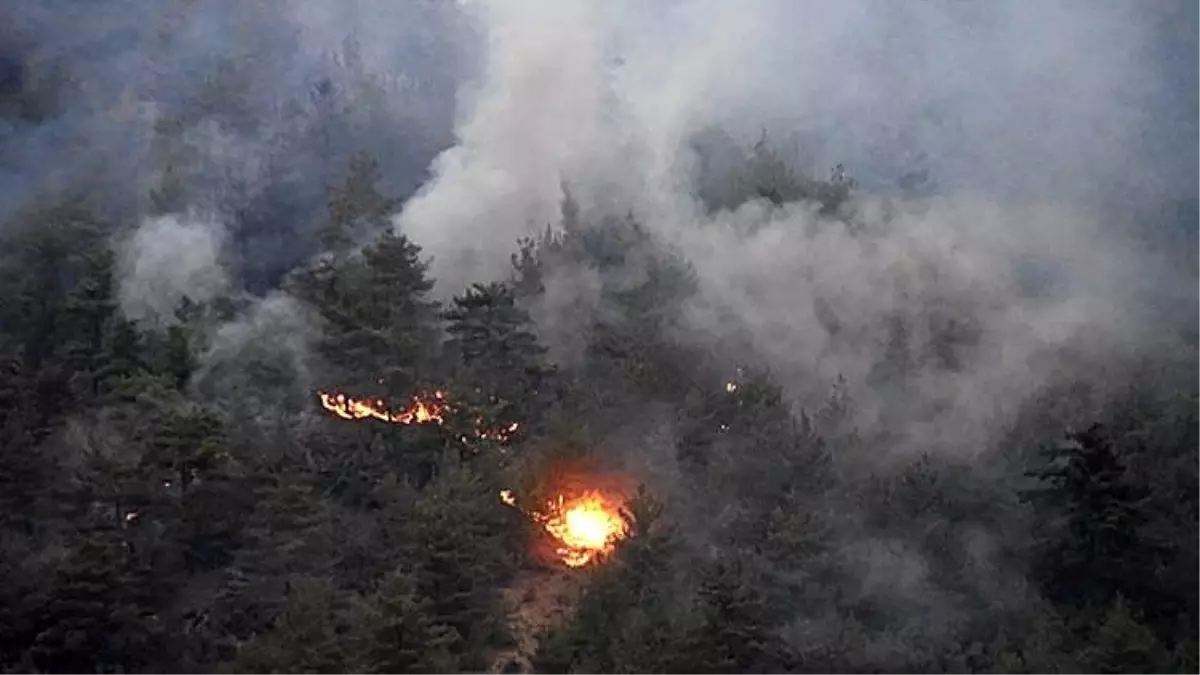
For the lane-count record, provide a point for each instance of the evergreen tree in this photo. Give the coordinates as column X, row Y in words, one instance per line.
column 25, row 473
column 285, row 538
column 178, row 361
column 1122, row 644
column 161, row 510
column 121, row 359
column 186, row 446
column 767, row 175
column 587, row 642
column 88, row 314
column 742, row 434
column 309, row 635
column 499, row 362
column 396, row 328
column 461, row 556
column 356, row 203
column 379, row 331
column 734, row 634
column 1101, row 550
column 396, row 631
column 101, row 613
column 46, row 249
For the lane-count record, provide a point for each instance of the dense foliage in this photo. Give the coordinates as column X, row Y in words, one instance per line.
column 175, row 500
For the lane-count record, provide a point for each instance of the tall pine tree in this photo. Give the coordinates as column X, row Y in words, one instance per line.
column 499, row 364
column 1098, row 550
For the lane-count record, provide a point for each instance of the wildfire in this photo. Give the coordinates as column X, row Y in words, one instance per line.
column 425, row 408
column 499, row 433
column 584, row 526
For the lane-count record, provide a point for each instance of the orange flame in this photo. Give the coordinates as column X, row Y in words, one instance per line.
column 584, row 527
column 425, row 408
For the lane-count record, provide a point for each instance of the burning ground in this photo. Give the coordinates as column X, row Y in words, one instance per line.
column 584, row 525
column 580, row 528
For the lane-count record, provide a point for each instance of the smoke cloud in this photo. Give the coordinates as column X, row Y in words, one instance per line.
column 246, row 112
column 1030, row 120
column 945, row 315
column 1044, row 131
column 168, row 259
column 1057, row 102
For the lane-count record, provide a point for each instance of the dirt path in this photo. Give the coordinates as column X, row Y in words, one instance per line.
column 537, row 601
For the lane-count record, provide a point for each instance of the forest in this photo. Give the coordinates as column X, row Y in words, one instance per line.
column 249, row 423
column 153, row 526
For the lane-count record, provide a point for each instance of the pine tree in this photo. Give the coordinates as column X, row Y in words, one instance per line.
column 734, row 634
column 187, row 462
column 25, row 473
column 121, row 359
column 308, row 636
column 462, row 556
column 285, row 538
column 379, row 329
column 767, row 175
column 101, row 612
column 178, row 361
column 87, row 316
column 534, row 255
column 499, row 361
column 355, row 203
column 587, row 642
column 396, row 632
column 396, row 326
column 50, row 244
column 1122, row 644
column 1100, row 551
column 186, row 446
column 742, row 435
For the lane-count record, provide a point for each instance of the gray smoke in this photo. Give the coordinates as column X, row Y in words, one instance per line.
column 946, row 315
column 1029, row 119
column 167, row 259
column 244, row 111
column 1056, row 102
column 1047, row 131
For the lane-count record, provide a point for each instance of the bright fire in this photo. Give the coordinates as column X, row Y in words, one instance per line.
column 425, row 408
column 584, row 526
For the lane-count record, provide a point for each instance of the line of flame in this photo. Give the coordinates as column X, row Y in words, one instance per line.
column 428, row 408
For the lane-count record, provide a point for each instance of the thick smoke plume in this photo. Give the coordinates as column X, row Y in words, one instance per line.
column 1029, row 120
column 1061, row 102
column 944, row 310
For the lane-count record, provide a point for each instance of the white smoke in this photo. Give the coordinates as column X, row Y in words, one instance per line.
column 1037, row 107
column 536, row 117
column 607, row 95
column 167, row 259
